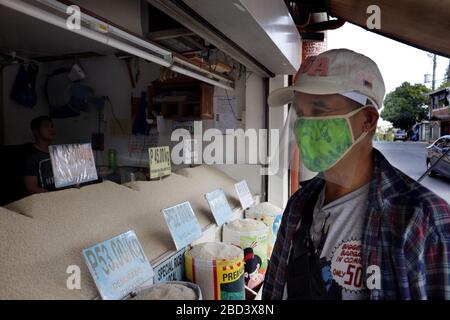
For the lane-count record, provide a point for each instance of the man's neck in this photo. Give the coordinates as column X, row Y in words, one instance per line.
column 350, row 174
column 42, row 145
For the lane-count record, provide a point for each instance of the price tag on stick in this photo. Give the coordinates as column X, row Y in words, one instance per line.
column 183, row 224
column 244, row 194
column 159, row 162
column 118, row 266
column 219, row 205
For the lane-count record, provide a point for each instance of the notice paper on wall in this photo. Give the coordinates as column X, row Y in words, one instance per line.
column 118, row 266
column 183, row 224
column 244, row 194
column 159, row 162
column 172, row 269
column 226, row 113
column 219, row 205
column 72, row 164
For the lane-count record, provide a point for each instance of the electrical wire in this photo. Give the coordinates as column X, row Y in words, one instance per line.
column 114, row 115
column 231, row 107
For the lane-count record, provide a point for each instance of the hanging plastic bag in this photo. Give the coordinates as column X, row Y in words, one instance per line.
column 24, row 88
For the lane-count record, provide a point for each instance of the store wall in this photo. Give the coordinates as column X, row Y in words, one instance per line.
column 108, row 76
column 252, row 99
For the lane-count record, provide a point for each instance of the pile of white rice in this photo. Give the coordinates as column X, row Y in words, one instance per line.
column 246, row 225
column 167, row 291
column 209, row 251
column 264, row 208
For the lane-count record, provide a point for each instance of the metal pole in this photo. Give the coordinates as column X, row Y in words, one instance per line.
column 433, row 87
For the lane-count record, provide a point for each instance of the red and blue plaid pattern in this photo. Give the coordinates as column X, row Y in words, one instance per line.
column 406, row 234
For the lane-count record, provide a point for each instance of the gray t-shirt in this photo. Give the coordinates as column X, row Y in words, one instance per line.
column 342, row 223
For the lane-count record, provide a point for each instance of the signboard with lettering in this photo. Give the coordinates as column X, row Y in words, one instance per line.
column 159, row 160
column 118, row 266
column 172, row 269
column 244, row 194
column 219, row 205
column 72, row 164
column 183, row 224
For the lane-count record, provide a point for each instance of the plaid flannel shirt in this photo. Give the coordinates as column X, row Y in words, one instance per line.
column 406, row 234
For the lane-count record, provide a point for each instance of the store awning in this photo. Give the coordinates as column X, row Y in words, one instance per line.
column 419, row 23
column 440, row 118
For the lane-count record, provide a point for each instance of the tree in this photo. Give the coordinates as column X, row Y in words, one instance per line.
column 406, row 105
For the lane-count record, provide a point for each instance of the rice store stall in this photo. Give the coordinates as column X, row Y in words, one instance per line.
column 123, row 218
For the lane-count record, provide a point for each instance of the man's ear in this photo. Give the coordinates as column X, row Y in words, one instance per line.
column 372, row 117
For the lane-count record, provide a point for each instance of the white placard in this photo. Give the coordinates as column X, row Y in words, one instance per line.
column 72, row 164
column 244, row 194
column 226, row 113
column 219, row 205
column 118, row 266
column 183, row 224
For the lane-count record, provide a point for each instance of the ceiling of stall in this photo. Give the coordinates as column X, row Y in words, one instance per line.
column 33, row 39
column 262, row 28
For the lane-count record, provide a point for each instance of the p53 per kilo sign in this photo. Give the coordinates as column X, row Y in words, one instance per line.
column 159, row 160
column 118, row 266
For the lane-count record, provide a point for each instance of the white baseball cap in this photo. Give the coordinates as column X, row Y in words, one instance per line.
column 337, row 71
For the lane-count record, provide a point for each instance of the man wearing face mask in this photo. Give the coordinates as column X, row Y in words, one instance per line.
column 361, row 229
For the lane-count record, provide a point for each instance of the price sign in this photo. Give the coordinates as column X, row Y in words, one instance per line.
column 183, row 224
column 160, row 164
column 219, row 205
column 72, row 164
column 118, row 266
column 244, row 194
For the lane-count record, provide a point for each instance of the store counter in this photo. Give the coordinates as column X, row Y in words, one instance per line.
column 41, row 236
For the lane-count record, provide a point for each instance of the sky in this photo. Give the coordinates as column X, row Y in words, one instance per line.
column 398, row 62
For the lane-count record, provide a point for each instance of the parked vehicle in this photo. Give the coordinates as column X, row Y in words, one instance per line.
column 400, row 135
column 435, row 152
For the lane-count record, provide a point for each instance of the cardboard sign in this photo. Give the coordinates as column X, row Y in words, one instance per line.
column 118, row 266
column 72, row 164
column 219, row 205
column 172, row 269
column 183, row 224
column 160, row 164
column 244, row 194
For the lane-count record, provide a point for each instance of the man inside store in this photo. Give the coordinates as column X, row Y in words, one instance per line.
column 38, row 175
column 361, row 229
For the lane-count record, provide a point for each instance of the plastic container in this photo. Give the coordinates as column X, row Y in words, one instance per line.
column 218, row 269
column 253, row 237
column 269, row 214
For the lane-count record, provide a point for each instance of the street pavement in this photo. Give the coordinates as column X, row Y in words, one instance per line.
column 410, row 158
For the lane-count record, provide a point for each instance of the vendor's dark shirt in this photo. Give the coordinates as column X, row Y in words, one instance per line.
column 38, row 165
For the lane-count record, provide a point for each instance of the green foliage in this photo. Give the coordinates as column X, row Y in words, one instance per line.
column 406, row 105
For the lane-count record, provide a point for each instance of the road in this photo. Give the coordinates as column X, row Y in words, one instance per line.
column 410, row 158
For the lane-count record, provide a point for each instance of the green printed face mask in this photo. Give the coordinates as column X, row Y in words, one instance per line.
column 324, row 141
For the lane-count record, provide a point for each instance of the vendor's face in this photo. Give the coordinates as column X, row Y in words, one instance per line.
column 312, row 105
column 46, row 131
